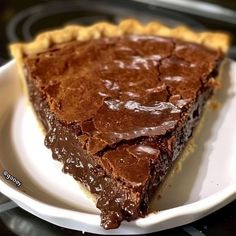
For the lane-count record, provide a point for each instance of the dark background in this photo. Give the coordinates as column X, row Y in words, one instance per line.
column 21, row 20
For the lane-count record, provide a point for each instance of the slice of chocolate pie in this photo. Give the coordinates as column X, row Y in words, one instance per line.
column 118, row 103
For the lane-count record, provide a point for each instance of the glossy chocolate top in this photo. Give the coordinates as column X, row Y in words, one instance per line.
column 122, row 88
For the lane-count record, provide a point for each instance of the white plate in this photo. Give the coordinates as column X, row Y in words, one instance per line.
column 206, row 183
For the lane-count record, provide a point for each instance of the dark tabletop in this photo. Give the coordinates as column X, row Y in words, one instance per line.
column 21, row 20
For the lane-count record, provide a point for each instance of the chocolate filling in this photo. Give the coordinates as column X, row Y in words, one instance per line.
column 118, row 111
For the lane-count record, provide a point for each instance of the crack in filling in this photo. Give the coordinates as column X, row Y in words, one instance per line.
column 118, row 111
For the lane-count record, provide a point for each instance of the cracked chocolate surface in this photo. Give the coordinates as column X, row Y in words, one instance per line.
column 118, row 111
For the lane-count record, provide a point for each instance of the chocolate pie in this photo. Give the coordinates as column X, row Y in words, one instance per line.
column 118, row 103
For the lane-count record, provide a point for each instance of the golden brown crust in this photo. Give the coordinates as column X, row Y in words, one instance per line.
column 218, row 41
column 45, row 40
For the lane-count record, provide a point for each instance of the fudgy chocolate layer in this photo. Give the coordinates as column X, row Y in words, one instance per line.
column 118, row 111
